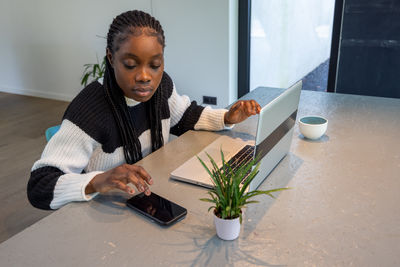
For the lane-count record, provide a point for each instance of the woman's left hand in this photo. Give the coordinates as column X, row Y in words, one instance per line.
column 241, row 110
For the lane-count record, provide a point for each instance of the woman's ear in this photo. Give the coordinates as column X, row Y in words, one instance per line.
column 109, row 57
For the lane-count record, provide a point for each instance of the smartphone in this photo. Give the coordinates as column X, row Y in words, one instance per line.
column 157, row 208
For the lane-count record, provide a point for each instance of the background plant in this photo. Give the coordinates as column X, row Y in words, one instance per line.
column 93, row 72
column 227, row 195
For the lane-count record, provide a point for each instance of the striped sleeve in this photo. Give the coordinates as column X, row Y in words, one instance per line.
column 57, row 178
column 186, row 115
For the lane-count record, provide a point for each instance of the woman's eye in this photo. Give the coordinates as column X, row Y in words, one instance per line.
column 154, row 67
column 129, row 66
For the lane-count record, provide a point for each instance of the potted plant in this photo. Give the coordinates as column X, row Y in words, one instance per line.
column 229, row 197
column 93, row 72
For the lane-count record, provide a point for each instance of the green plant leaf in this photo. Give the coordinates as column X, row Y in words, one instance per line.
column 85, row 79
column 207, row 200
column 253, row 174
column 252, row 201
column 219, row 183
column 205, row 166
column 228, row 195
column 211, row 208
column 93, row 71
column 95, row 66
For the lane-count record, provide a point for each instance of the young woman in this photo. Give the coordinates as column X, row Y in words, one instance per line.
column 108, row 127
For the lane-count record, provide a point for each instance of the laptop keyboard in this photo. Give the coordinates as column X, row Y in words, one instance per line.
column 244, row 156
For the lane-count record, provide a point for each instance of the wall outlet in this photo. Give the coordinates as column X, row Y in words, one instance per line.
column 211, row 100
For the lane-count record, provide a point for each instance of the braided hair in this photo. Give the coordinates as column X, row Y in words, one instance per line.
column 124, row 24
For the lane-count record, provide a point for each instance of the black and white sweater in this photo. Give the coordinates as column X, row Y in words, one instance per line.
column 88, row 142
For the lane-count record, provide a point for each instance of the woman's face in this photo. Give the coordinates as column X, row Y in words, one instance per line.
column 138, row 65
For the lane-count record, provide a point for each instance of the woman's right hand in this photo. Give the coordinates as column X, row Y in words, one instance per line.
column 119, row 177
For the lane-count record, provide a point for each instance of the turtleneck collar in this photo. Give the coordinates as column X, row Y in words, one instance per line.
column 131, row 102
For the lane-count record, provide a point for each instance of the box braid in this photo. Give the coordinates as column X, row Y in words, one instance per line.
column 123, row 25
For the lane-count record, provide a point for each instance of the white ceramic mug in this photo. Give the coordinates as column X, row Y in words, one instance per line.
column 313, row 127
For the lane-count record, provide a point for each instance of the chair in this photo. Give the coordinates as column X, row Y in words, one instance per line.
column 51, row 131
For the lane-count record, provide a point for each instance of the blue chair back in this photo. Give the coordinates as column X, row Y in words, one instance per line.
column 51, row 131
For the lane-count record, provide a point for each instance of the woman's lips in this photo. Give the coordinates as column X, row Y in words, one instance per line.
column 142, row 91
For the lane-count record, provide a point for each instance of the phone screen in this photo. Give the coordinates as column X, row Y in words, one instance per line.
column 157, row 208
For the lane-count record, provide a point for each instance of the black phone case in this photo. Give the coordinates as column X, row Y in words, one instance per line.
column 163, row 223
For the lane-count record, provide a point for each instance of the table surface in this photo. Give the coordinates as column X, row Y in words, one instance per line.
column 343, row 208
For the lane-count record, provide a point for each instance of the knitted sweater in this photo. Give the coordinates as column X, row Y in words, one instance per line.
column 88, row 141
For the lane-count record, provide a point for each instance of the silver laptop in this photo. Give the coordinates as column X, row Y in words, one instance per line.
column 274, row 135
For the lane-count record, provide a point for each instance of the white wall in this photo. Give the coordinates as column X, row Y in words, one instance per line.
column 198, row 47
column 289, row 38
column 44, row 44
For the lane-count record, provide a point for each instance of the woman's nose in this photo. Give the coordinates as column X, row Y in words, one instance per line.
column 143, row 76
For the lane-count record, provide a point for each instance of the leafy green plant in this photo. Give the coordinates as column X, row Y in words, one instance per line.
column 227, row 196
column 93, row 72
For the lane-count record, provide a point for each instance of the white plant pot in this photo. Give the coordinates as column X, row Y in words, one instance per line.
column 227, row 229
